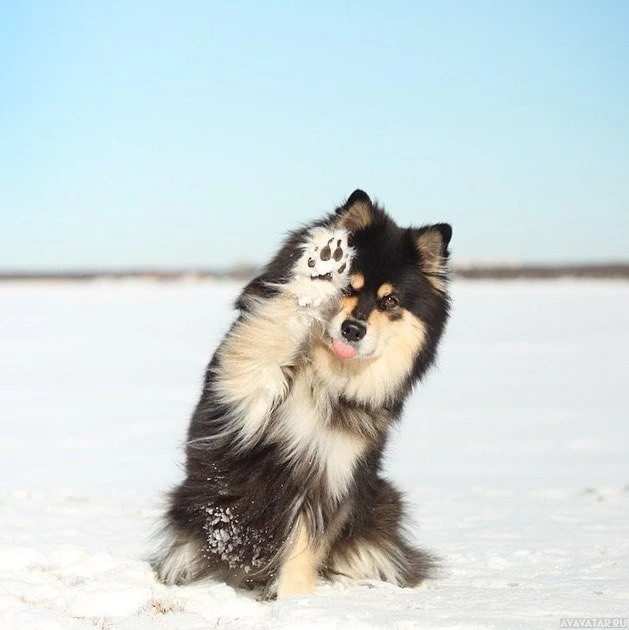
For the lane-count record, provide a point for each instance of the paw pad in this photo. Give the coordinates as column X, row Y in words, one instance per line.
column 324, row 265
column 329, row 256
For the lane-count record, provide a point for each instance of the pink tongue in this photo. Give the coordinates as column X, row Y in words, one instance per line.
column 343, row 350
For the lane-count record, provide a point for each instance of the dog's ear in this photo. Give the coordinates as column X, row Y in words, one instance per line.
column 432, row 244
column 357, row 212
column 357, row 196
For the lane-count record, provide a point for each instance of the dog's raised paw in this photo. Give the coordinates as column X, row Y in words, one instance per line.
column 327, row 253
column 323, row 270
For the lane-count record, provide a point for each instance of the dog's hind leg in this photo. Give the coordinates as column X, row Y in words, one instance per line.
column 177, row 561
column 377, row 547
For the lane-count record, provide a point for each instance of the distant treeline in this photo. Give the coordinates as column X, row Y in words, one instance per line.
column 510, row 272
column 243, row 273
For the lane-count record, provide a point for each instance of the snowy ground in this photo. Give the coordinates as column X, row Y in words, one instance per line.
column 514, row 454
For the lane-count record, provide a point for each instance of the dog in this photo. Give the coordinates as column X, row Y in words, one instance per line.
column 284, row 450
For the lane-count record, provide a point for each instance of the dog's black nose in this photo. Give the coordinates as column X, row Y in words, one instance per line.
column 353, row 330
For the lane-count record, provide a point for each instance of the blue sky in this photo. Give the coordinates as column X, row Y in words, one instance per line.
column 175, row 134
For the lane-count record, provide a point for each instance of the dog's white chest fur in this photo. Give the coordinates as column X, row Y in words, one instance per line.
column 305, row 429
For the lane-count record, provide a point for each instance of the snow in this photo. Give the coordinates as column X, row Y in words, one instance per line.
column 514, row 455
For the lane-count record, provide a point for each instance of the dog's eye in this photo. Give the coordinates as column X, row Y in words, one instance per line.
column 350, row 291
column 389, row 302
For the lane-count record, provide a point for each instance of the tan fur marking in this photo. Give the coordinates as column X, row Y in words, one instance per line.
column 348, row 304
column 299, row 572
column 430, row 244
column 357, row 281
column 406, row 327
column 385, row 289
column 378, row 319
column 356, row 217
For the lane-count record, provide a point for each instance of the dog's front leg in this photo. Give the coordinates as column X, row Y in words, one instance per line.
column 305, row 555
column 266, row 342
column 300, row 568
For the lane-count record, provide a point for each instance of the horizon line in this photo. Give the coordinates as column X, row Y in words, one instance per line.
column 469, row 269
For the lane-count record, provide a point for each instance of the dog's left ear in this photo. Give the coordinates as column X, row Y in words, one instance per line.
column 432, row 243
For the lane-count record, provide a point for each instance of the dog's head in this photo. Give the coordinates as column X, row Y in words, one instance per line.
column 396, row 305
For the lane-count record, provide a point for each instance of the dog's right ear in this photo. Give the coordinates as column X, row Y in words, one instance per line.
column 357, row 212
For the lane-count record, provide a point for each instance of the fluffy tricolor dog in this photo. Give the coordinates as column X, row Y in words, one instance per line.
column 283, row 459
